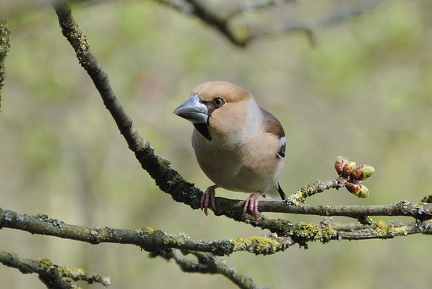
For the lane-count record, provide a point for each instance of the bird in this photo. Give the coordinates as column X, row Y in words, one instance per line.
column 238, row 145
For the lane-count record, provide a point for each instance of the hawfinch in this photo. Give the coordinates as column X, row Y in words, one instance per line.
column 238, row 145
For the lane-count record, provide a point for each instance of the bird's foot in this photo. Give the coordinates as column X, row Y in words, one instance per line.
column 208, row 196
column 251, row 203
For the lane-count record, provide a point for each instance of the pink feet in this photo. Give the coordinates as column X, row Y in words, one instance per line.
column 209, row 195
column 251, row 203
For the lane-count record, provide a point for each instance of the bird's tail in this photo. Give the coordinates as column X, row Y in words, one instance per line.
column 276, row 193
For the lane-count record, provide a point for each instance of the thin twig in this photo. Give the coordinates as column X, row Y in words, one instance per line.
column 207, row 263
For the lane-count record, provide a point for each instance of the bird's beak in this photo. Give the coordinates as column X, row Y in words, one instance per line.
column 193, row 110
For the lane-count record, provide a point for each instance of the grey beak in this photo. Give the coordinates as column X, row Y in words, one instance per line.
column 193, row 110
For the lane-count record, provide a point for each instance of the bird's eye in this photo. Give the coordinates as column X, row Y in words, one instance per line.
column 218, row 102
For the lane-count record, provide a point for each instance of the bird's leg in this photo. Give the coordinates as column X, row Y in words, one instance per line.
column 209, row 195
column 251, row 203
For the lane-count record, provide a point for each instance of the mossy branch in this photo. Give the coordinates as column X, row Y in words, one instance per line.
column 4, row 49
column 152, row 240
column 148, row 239
column 163, row 244
column 52, row 275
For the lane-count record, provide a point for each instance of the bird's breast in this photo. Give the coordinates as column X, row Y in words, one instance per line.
column 239, row 168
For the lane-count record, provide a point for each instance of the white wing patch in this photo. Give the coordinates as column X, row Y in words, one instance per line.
column 281, row 151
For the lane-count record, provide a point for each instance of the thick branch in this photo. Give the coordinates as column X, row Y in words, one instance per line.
column 154, row 240
column 148, row 239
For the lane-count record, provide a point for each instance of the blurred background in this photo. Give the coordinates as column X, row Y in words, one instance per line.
column 364, row 91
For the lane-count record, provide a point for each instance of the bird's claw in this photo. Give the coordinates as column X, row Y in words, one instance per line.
column 208, row 197
column 251, row 203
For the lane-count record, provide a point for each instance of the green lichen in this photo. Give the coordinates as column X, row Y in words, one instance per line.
column 389, row 230
column 312, row 232
column 168, row 239
column 73, row 274
column 400, row 231
column 257, row 245
column 45, row 262
column 382, row 229
column 296, row 198
column 177, row 240
column 149, row 230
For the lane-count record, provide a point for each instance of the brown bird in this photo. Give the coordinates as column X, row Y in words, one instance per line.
column 238, row 145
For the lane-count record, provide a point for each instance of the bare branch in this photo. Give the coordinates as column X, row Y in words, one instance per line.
column 210, row 16
column 310, row 28
column 221, row 17
column 254, row 6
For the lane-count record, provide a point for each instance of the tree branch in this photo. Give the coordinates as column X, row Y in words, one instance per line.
column 220, row 17
column 148, row 239
column 162, row 244
column 209, row 264
column 4, row 49
column 152, row 240
column 53, row 276
column 331, row 18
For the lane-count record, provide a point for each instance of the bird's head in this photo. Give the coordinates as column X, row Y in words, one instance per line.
column 219, row 109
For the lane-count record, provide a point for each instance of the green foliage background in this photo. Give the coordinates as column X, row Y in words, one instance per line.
column 363, row 92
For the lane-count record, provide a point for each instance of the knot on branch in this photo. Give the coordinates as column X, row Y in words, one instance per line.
column 419, row 211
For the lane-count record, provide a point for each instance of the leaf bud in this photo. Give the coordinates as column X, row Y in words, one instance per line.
column 340, row 162
column 348, row 169
column 357, row 189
